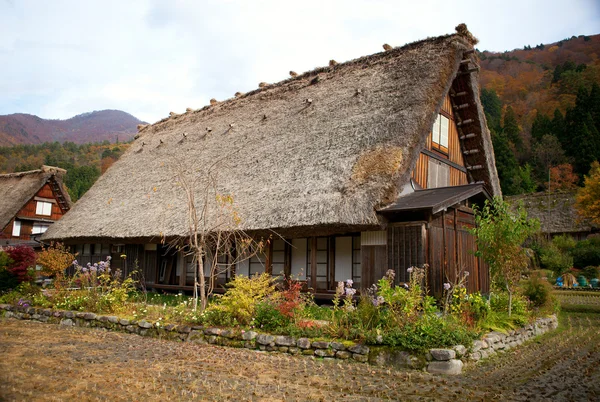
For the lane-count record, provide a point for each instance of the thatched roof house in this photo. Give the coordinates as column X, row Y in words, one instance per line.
column 556, row 213
column 315, row 155
column 30, row 202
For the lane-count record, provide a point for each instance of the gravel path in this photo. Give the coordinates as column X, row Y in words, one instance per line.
column 47, row 362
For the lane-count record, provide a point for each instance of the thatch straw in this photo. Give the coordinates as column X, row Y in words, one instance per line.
column 290, row 165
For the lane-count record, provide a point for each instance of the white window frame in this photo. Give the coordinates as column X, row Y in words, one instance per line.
column 39, row 228
column 441, row 131
column 16, row 228
column 43, row 208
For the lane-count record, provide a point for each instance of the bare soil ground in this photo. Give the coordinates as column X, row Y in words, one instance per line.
column 47, row 362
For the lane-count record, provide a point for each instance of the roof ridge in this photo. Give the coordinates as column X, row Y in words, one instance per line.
column 465, row 41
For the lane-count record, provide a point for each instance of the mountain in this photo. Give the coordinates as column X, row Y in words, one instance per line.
column 542, row 105
column 89, row 127
column 541, row 78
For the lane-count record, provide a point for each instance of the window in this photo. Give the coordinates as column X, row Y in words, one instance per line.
column 16, row 228
column 439, row 133
column 43, row 208
column 322, row 252
column 278, row 260
column 438, row 174
column 39, row 228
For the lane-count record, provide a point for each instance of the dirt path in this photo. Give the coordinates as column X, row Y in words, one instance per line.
column 47, row 362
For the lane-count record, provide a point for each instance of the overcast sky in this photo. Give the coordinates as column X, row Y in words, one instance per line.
column 150, row 57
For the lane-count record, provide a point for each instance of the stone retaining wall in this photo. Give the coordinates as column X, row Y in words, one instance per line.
column 438, row 361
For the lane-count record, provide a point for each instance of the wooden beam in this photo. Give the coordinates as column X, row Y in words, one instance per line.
column 465, row 122
column 468, row 71
column 475, row 167
column 465, row 61
column 463, row 106
column 462, row 93
column 471, row 151
column 468, row 52
column 313, row 263
column 467, row 136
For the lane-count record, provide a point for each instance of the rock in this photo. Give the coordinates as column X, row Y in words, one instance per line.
column 475, row 356
column 325, row 352
column 303, row 343
column 212, row 339
column 67, row 322
column 228, row 333
column 321, row 345
column 47, row 312
column 308, row 352
column 170, row 327
column 448, row 367
column 460, row 350
column 271, row 348
column 359, row 349
column 484, row 354
column 342, row 354
column 428, row 357
column 144, row 324
column 184, row 329
column 69, row 314
column 113, row 319
column 442, row 354
column 131, row 328
column 102, row 318
column 360, row 357
column 212, row 331
column 6, row 307
column 478, row 345
column 283, row 349
column 293, row 350
column 249, row 335
column 264, row 339
column 285, row 341
column 89, row 316
column 338, row 346
column 124, row 322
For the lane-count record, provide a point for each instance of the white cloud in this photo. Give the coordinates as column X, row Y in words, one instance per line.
column 147, row 57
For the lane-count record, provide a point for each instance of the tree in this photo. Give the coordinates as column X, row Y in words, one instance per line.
column 55, row 259
column 511, row 127
column 563, row 178
column 492, row 105
column 506, row 164
column 588, row 197
column 23, row 258
column 500, row 234
column 214, row 239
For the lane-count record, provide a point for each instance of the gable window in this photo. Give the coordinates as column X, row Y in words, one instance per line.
column 39, row 228
column 438, row 174
column 43, row 208
column 439, row 133
column 16, row 228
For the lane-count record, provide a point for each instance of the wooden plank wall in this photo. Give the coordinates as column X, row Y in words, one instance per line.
column 457, row 177
column 452, row 249
column 406, row 249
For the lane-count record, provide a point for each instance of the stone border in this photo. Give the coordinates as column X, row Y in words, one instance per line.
column 436, row 361
column 446, row 361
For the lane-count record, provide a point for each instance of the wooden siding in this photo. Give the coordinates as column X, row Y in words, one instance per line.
column 451, row 249
column 454, row 154
column 406, row 247
column 29, row 211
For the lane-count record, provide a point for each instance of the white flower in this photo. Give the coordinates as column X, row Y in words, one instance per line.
column 349, row 282
column 409, row 270
column 447, row 286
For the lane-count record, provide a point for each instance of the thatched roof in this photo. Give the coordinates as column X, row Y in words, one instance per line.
column 18, row 188
column 324, row 148
column 555, row 211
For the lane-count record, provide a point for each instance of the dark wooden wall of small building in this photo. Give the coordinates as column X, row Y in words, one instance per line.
column 451, row 251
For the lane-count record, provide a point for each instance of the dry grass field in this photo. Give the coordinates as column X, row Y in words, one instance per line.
column 46, row 362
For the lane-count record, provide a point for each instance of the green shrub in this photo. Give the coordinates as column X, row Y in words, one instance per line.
column 269, row 318
column 499, row 304
column 552, row 257
column 587, row 252
column 429, row 332
column 538, row 291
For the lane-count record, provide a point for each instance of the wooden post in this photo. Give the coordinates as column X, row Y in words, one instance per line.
column 313, row 263
column 331, row 264
column 269, row 257
column 445, row 262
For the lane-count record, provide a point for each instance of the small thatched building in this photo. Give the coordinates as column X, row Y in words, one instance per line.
column 556, row 212
column 29, row 203
column 341, row 162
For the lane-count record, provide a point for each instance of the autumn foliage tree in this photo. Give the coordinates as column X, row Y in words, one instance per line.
column 23, row 258
column 562, row 177
column 588, row 197
column 55, row 260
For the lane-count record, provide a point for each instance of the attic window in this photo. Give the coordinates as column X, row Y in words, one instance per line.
column 39, row 228
column 43, row 208
column 439, row 133
column 16, row 228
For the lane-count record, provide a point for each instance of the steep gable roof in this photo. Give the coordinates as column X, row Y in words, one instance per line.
column 325, row 148
column 18, row 188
